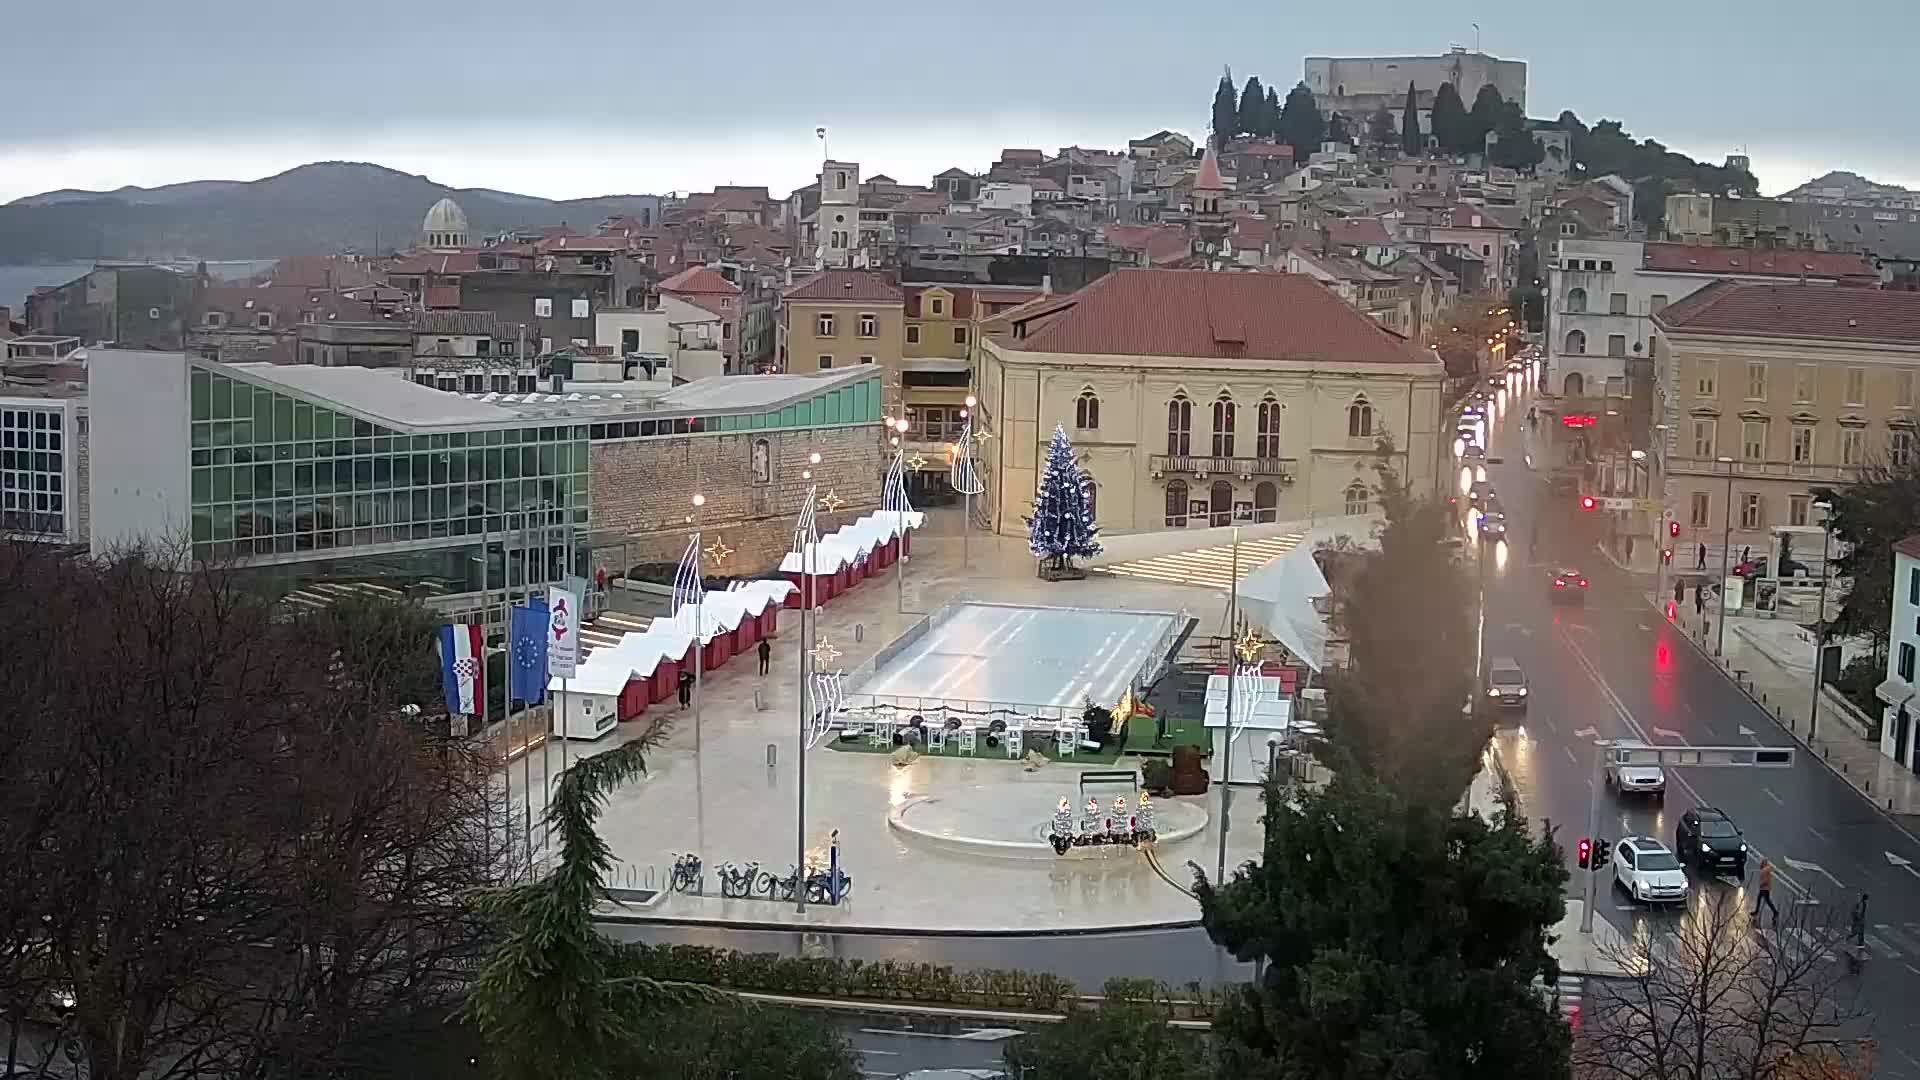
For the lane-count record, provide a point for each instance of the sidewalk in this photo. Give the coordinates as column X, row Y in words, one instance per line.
column 1786, row 691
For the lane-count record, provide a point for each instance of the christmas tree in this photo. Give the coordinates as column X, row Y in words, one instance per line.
column 1062, row 527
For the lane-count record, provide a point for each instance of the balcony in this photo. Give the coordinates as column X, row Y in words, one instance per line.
column 1281, row 468
column 1769, row 470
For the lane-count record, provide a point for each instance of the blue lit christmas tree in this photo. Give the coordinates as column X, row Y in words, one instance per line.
column 1062, row 528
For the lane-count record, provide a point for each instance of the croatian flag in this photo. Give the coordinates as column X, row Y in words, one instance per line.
column 462, row 651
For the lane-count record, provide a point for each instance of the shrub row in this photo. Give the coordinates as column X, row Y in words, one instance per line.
column 893, row 981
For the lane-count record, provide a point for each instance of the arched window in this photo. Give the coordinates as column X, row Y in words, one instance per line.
column 1576, row 343
column 1358, row 498
column 1086, row 411
column 1360, row 419
column 1266, row 442
column 1176, row 504
column 1223, row 426
column 1575, row 385
column 1576, row 300
column 1179, row 426
column 1220, row 504
column 1266, row 501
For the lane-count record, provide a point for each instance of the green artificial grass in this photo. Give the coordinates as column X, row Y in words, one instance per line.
column 1181, row 731
column 1105, row 756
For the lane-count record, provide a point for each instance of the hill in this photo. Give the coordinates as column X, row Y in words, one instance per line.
column 1841, row 184
column 317, row 209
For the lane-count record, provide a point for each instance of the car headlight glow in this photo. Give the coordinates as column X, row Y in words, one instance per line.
column 1493, row 691
column 1705, row 850
column 1743, row 849
column 1523, row 691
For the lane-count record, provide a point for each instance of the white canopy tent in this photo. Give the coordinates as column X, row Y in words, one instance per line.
column 1280, row 596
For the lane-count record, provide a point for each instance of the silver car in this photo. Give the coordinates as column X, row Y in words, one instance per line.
column 1629, row 774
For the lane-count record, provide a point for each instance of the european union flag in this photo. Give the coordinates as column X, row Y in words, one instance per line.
column 527, row 671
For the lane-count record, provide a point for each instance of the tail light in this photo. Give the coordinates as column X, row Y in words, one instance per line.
column 1583, row 583
column 1559, row 583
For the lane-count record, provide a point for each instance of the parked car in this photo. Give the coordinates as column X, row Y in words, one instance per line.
column 1569, row 586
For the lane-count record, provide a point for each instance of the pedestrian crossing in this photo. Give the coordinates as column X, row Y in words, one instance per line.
column 1568, row 993
column 1893, row 942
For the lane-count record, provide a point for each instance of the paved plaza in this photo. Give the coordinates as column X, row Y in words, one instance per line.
column 727, row 789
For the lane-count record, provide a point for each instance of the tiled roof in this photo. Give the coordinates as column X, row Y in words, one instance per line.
column 1688, row 258
column 1910, row 547
column 1180, row 313
column 471, row 323
column 1805, row 312
column 450, row 262
column 441, row 296
column 1209, row 178
column 286, row 303
column 699, row 281
column 318, row 272
column 584, row 243
column 845, row 285
column 1266, row 149
column 1162, row 243
column 1358, row 232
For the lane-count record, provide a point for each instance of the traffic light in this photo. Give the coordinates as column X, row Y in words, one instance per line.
column 1587, row 502
column 1586, row 852
column 1666, row 556
column 1602, row 854
column 1673, row 529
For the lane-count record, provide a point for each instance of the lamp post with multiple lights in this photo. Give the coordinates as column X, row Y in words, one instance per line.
column 806, row 541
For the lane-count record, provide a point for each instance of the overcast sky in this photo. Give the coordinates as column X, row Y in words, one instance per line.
column 565, row 99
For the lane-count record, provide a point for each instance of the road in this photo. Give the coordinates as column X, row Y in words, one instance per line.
column 1616, row 668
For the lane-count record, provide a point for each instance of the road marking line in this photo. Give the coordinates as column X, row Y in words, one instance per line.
column 1573, row 759
column 1882, row 947
column 1812, row 943
column 1897, row 937
column 1778, row 801
column 882, row 1053
column 1916, row 971
column 1818, row 835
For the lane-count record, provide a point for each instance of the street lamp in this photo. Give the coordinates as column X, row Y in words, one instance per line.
column 963, row 456
column 1726, row 549
column 806, row 539
column 1819, row 623
column 699, row 587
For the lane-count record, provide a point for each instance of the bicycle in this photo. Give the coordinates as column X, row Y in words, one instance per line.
column 775, row 887
column 820, row 881
column 687, row 876
column 736, row 882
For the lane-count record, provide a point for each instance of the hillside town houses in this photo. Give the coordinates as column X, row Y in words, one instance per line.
column 1225, row 326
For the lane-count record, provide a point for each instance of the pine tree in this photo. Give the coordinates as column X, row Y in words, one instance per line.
column 1380, row 127
column 1487, row 105
column 1226, row 115
column 1253, row 107
column 1062, row 526
column 1300, row 124
column 1411, row 141
column 1337, row 129
column 1273, row 114
column 1449, row 121
column 1516, row 147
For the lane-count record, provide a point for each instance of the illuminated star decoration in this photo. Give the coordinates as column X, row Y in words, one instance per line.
column 717, row 552
column 824, row 653
column 1249, row 646
column 831, row 502
column 918, row 461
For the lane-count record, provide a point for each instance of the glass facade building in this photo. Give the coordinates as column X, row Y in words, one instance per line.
column 276, row 478
column 34, row 468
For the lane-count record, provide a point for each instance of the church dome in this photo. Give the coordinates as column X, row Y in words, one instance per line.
column 446, row 225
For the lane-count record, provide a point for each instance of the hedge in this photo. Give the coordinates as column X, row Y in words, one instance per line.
column 892, row 981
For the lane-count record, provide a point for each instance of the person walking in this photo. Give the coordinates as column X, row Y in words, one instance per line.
column 686, row 689
column 1763, row 894
column 766, row 655
column 1700, row 562
column 1679, row 593
column 1700, row 598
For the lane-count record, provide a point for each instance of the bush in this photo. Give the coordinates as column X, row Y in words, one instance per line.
column 1156, row 776
column 1122, row 1037
column 884, row 980
column 718, row 1043
column 1857, row 680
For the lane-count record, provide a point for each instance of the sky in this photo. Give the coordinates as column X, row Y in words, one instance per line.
column 563, row 99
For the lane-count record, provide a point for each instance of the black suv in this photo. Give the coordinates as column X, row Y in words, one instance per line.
column 1708, row 838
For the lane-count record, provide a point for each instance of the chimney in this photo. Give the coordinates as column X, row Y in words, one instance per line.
column 1046, row 286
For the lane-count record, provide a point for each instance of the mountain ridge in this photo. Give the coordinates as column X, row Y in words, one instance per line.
column 320, row 208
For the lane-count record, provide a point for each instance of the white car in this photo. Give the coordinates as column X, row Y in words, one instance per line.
column 1629, row 773
column 1649, row 871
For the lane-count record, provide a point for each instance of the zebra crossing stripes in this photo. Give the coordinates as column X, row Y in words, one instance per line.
column 1567, row 993
column 1887, row 940
column 1208, row 567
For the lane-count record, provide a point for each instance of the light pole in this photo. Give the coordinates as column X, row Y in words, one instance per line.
column 806, row 539
column 1726, row 549
column 966, row 451
column 699, row 625
column 894, row 500
column 1820, row 622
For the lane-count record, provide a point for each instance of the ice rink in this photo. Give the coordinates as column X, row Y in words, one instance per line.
column 1026, row 656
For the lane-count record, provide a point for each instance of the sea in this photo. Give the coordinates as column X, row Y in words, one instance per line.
column 17, row 282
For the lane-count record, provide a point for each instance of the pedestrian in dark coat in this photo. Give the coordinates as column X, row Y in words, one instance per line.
column 766, row 655
column 686, row 688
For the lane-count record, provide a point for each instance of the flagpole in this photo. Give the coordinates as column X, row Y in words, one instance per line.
column 699, row 623
column 1226, row 765
column 526, row 707
column 580, row 603
column 486, row 713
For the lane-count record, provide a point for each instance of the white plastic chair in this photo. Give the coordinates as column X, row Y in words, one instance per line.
column 882, row 732
column 1016, row 742
column 969, row 738
column 1066, row 739
column 936, row 735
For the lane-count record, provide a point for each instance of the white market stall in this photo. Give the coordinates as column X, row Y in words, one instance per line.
column 1263, row 719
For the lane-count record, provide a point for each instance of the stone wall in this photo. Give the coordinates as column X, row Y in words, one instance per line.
column 642, row 491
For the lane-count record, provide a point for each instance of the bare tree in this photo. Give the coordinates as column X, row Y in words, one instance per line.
column 230, row 842
column 1725, row 999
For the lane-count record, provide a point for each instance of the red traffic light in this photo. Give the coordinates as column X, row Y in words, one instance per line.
column 1579, row 420
column 1587, row 502
column 1666, row 556
column 1673, row 529
column 1586, row 852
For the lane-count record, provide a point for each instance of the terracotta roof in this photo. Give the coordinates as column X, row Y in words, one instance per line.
column 967, row 297
column 1266, row 149
column 699, row 281
column 1910, row 547
column 845, row 285
column 1162, row 243
column 1250, row 231
column 450, row 262
column 1807, row 312
column 1341, row 267
column 1181, row 313
column 608, row 243
column 1358, row 232
column 286, row 303
column 1688, row 258
column 1209, row 178
column 440, row 296
column 318, row 272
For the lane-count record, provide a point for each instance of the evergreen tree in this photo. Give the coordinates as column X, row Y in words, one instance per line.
column 1516, row 147
column 1449, row 119
column 1253, row 106
column 1380, row 127
column 1487, row 105
column 1411, row 141
column 1226, row 116
column 1273, row 114
column 1337, row 129
column 1300, row 125
column 1062, row 526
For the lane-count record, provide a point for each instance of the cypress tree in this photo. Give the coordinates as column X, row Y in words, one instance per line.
column 1411, row 141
